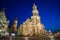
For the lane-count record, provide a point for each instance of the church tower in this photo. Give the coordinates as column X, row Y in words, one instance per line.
column 35, row 18
column 36, row 23
column 35, row 11
column 15, row 25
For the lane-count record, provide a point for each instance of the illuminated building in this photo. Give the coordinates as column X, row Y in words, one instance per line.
column 14, row 27
column 32, row 26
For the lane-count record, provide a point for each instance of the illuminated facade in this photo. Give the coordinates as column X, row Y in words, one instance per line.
column 14, row 27
column 32, row 26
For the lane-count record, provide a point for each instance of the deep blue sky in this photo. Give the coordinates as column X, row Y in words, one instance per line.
column 49, row 11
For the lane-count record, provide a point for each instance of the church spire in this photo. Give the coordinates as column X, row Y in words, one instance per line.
column 35, row 11
column 34, row 6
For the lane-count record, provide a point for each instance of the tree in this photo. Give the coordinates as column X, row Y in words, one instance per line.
column 3, row 21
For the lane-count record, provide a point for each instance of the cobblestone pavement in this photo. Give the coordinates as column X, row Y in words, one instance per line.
column 28, row 38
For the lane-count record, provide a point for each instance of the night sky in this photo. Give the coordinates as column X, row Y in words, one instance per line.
column 49, row 11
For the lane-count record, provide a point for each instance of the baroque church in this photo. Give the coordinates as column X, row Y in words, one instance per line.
column 32, row 26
